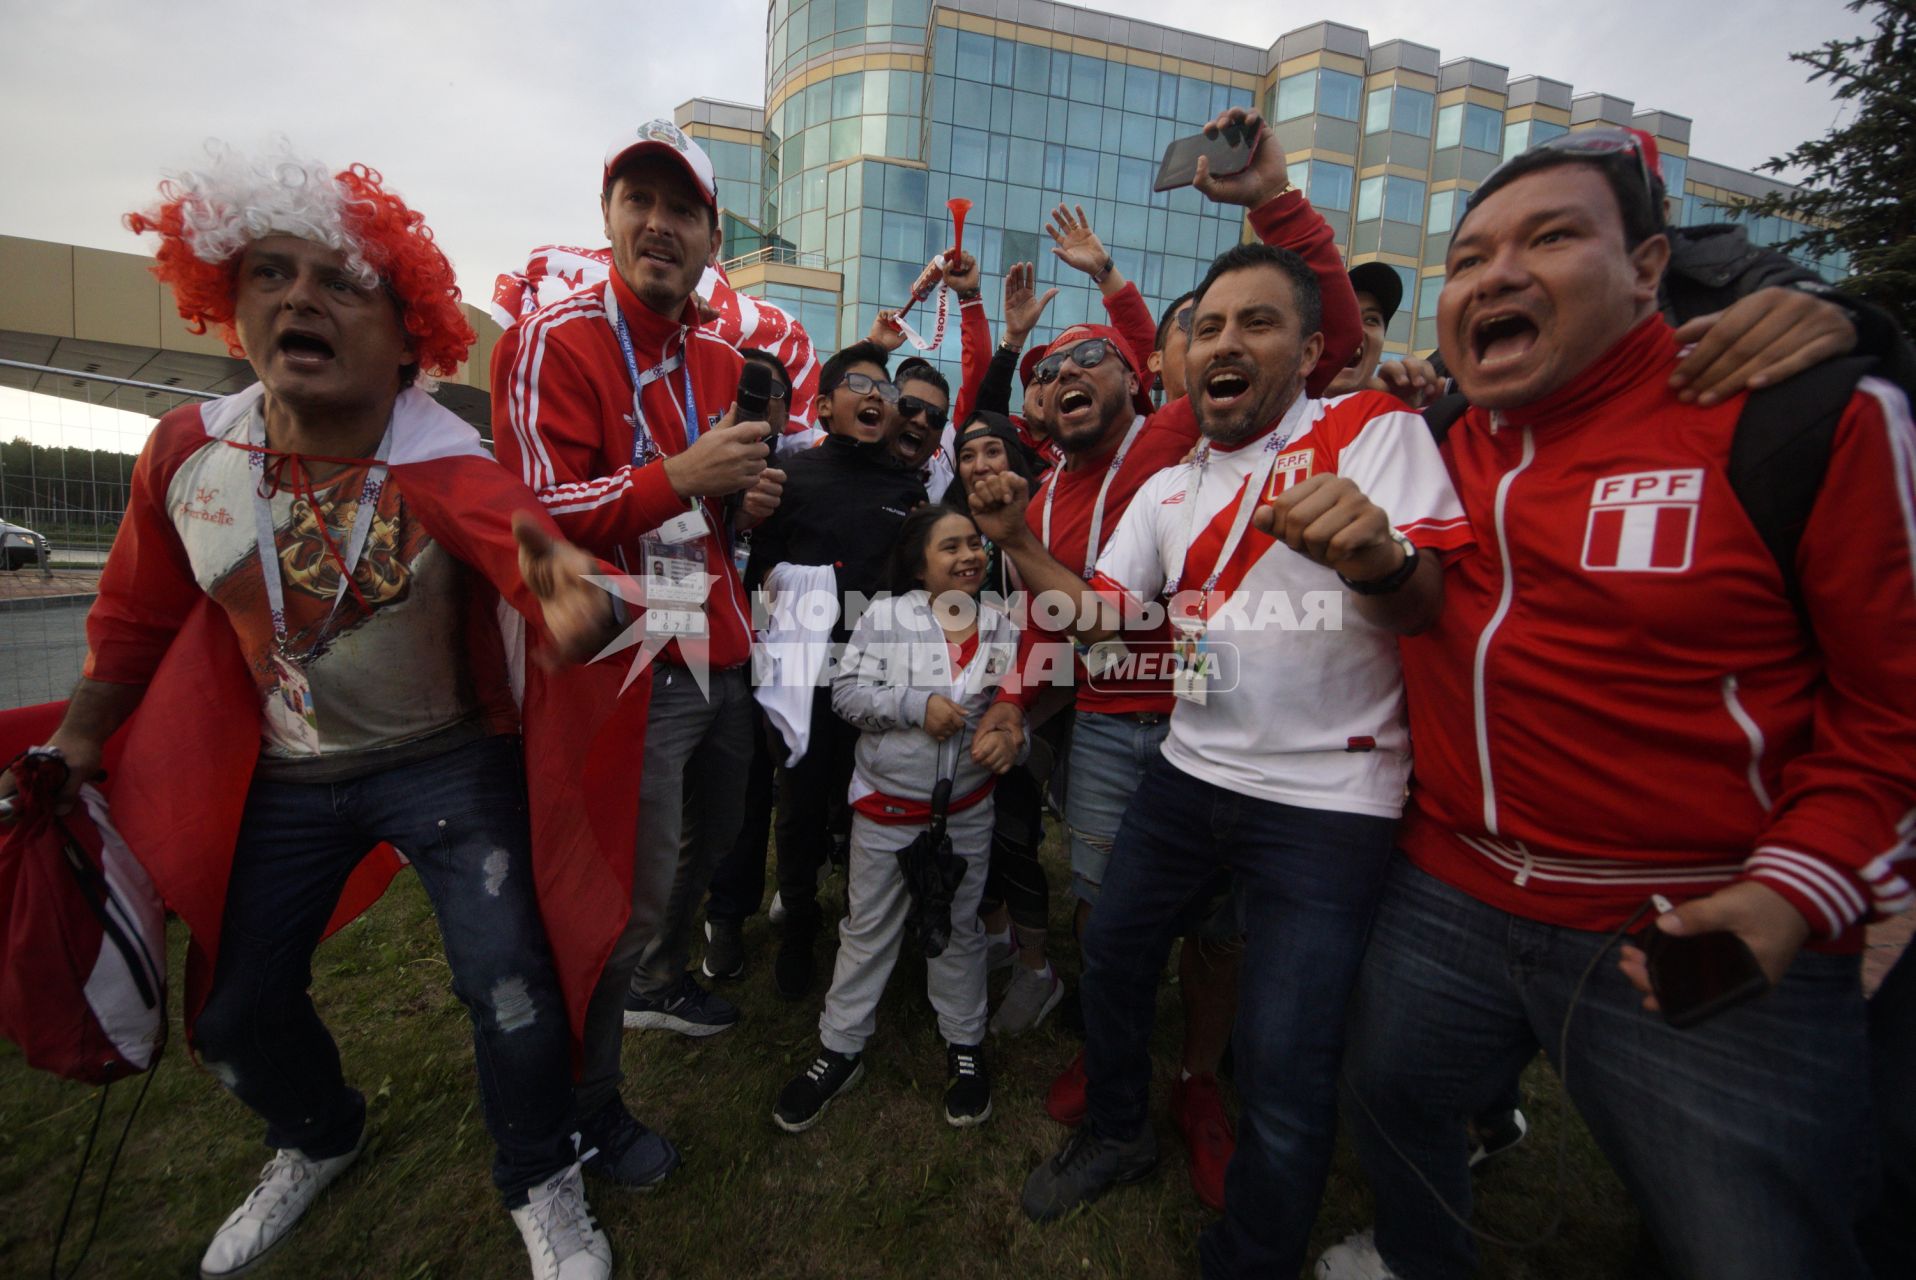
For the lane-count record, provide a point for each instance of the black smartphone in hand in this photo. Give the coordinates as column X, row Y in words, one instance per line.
column 1701, row 975
column 1229, row 152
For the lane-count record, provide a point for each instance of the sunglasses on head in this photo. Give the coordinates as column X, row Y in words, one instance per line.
column 1088, row 354
column 863, row 384
column 1606, row 142
column 1183, row 318
column 935, row 418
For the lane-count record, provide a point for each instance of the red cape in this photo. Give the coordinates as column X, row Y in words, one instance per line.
column 180, row 768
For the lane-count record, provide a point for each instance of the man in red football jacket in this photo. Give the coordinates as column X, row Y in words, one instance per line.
column 616, row 408
column 1623, row 706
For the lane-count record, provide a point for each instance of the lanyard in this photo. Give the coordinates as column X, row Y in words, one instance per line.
column 1241, row 520
column 268, row 545
column 1092, row 541
column 643, row 445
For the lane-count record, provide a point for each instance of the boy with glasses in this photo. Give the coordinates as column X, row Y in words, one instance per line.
column 842, row 505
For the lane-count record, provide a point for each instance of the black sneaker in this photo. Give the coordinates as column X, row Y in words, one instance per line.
column 1494, row 1135
column 802, row 1102
column 1085, row 1168
column 967, row 1086
column 724, row 950
column 684, row 1007
column 616, row 1148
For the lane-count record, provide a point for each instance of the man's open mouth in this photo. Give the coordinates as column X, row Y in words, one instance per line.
column 911, row 440
column 1074, row 399
column 1226, row 386
column 1505, row 336
column 304, row 348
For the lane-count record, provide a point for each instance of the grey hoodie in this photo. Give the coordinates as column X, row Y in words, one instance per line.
column 896, row 659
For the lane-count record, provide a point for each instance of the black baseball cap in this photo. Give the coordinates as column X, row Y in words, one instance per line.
column 1381, row 281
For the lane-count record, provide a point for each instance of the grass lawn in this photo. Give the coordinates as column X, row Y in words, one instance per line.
column 881, row 1188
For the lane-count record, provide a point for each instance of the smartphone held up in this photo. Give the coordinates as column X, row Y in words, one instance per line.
column 1229, row 152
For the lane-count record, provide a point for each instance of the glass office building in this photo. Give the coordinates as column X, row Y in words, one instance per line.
column 877, row 111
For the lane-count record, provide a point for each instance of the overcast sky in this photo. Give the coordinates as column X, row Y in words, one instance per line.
column 492, row 117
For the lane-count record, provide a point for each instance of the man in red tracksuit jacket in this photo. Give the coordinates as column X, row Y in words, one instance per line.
column 615, row 407
column 1620, row 700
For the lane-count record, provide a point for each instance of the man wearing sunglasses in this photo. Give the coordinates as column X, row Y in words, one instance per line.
column 1629, row 693
column 919, row 443
column 842, row 505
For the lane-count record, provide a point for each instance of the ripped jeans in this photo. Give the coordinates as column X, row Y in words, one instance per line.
column 460, row 818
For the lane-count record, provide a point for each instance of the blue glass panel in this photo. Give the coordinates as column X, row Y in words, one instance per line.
column 1296, row 96
column 1053, row 166
column 1031, row 69
column 877, row 93
column 1080, row 171
column 974, row 56
column 1194, row 101
column 1028, row 114
column 1404, row 200
column 1140, row 138
column 1107, row 177
column 1087, row 78
column 1027, row 160
column 968, row 152
column 1001, row 60
column 1377, row 110
column 1427, row 290
column 1482, row 127
column 1001, row 111
column 1338, row 95
column 1086, row 124
column 1410, row 111
column 1141, row 90
column 1134, row 180
column 905, row 189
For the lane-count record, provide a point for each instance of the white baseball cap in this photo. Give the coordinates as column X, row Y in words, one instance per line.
column 667, row 138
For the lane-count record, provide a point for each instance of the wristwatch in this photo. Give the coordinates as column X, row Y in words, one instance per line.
column 966, row 295
column 1098, row 276
column 1393, row 580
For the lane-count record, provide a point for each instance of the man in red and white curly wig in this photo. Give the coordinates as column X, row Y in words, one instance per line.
column 211, row 216
column 299, row 628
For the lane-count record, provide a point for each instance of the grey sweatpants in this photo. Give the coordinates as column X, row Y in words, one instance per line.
column 698, row 751
column 874, row 926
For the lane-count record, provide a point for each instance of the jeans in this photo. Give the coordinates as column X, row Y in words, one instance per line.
column 738, row 882
column 1889, row 1231
column 1309, row 880
column 1104, row 769
column 1744, row 1140
column 698, row 749
column 460, row 818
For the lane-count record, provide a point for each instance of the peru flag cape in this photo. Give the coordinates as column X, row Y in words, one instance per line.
column 741, row 320
column 179, row 770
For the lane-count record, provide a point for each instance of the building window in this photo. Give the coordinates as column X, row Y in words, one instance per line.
column 1397, row 199
column 1296, row 96
column 1468, row 124
column 1675, row 168
column 1445, row 207
column 1427, row 291
column 1330, row 185
column 1339, row 95
column 1397, row 107
column 1525, row 134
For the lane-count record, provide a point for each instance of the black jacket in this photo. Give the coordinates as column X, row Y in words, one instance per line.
column 843, row 504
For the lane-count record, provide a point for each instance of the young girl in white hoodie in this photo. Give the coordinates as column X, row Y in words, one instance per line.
column 922, row 667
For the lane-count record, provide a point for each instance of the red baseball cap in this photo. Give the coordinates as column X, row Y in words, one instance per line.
column 668, row 139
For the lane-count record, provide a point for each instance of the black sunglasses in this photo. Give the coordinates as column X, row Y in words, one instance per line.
column 935, row 418
column 1088, row 354
column 863, row 384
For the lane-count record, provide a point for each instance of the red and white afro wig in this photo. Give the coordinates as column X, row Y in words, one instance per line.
column 208, row 216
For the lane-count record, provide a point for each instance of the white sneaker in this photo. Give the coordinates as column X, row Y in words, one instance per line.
column 1030, row 996
column 288, row 1185
column 564, row 1241
column 1356, row 1259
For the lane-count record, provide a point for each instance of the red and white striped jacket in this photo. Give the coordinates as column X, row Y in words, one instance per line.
column 1620, row 699
column 562, row 420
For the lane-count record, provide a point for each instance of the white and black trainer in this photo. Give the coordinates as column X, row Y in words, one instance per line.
column 288, row 1185
column 802, row 1102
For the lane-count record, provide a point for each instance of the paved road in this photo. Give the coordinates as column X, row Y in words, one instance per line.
column 42, row 647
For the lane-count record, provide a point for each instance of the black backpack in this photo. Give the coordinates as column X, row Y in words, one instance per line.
column 1778, row 456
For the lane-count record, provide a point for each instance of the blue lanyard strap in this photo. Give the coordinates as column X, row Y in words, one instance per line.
column 644, row 446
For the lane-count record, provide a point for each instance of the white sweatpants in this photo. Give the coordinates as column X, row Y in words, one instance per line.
column 874, row 926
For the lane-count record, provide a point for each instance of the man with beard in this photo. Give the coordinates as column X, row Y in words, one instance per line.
column 1094, row 407
column 1287, row 752
column 1632, row 693
column 615, row 407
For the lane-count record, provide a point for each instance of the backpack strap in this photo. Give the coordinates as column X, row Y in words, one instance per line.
column 1781, row 452
column 1443, row 413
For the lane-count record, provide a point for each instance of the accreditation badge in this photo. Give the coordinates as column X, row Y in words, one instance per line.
column 289, row 705
column 1195, row 664
column 672, row 575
